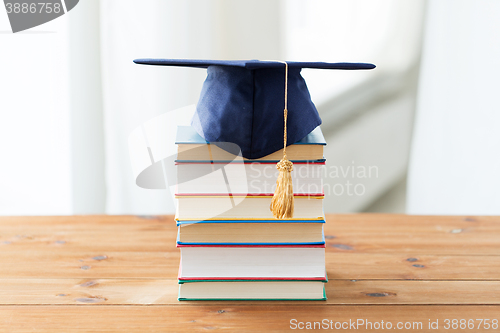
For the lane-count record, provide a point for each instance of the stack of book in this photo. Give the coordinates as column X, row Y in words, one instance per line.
column 232, row 248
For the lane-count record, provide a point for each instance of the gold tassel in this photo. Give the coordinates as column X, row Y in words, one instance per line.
column 282, row 202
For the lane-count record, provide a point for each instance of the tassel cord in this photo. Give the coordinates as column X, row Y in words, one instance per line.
column 282, row 204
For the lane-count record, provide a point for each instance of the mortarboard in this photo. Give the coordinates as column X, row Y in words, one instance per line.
column 242, row 101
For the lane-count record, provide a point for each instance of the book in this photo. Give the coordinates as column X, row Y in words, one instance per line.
column 199, row 290
column 219, row 178
column 251, row 207
column 251, row 232
column 192, row 147
column 232, row 248
column 252, row 262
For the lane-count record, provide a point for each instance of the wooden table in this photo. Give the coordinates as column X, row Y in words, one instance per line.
column 118, row 273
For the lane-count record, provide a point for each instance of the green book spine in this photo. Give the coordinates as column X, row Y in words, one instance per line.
column 324, row 298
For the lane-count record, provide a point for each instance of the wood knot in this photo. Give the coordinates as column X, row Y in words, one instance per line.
column 221, row 311
column 91, row 299
column 380, row 294
column 88, row 284
column 342, row 246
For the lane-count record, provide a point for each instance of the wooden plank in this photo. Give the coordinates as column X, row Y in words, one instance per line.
column 335, row 222
column 97, row 223
column 89, row 263
column 159, row 235
column 51, row 236
column 407, row 243
column 152, row 291
column 342, row 265
column 352, row 222
column 411, row 266
column 80, row 243
column 400, row 222
column 233, row 318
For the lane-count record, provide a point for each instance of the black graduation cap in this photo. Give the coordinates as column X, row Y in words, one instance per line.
column 242, row 101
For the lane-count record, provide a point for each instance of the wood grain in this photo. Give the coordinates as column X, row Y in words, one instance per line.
column 345, row 265
column 118, row 273
column 228, row 317
column 164, row 292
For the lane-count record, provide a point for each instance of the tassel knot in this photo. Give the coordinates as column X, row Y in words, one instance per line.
column 285, row 165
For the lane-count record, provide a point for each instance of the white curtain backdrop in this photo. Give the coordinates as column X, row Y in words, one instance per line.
column 386, row 33
column 455, row 160
column 134, row 94
column 35, row 150
column 71, row 95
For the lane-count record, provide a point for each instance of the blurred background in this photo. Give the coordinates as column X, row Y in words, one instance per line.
column 425, row 122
